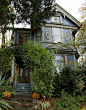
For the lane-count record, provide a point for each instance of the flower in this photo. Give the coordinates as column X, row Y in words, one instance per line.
column 80, row 85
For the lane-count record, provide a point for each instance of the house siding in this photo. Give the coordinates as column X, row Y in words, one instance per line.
column 50, row 30
column 68, row 22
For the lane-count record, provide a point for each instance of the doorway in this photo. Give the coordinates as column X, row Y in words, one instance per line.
column 24, row 75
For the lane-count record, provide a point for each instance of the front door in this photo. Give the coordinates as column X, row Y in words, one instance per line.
column 24, row 75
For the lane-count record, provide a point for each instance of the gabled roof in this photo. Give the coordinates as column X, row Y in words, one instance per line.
column 65, row 13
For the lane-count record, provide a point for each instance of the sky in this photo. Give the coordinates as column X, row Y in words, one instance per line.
column 71, row 6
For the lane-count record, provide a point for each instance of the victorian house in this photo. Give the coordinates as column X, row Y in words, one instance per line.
column 57, row 31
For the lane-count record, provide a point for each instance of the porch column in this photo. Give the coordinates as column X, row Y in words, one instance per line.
column 74, row 60
column 62, row 35
column 66, row 59
column 42, row 33
column 12, row 70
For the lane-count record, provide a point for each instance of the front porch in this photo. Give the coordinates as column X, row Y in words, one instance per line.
column 20, row 77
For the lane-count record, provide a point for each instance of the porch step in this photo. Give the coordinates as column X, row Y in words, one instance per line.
column 22, row 102
column 23, row 89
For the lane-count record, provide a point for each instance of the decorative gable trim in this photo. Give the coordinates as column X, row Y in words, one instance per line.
column 65, row 13
column 59, row 46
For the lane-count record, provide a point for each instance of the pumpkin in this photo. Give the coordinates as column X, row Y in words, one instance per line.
column 36, row 95
column 7, row 94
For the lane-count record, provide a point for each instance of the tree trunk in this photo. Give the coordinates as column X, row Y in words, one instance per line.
column 3, row 41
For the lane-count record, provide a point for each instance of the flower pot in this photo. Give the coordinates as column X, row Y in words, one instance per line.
column 36, row 95
column 7, row 94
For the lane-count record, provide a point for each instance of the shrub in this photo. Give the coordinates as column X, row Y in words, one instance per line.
column 40, row 61
column 66, row 102
column 57, row 86
column 81, row 70
column 71, row 82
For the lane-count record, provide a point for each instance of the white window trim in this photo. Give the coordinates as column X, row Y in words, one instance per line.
column 54, row 36
column 58, row 15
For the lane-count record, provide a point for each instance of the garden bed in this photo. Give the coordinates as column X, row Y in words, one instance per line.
column 52, row 105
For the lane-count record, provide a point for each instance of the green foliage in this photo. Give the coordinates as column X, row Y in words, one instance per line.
column 81, row 38
column 81, row 70
column 45, row 104
column 81, row 98
column 66, row 101
column 5, row 105
column 70, row 80
column 37, row 11
column 3, row 84
column 40, row 62
column 57, row 86
column 5, row 60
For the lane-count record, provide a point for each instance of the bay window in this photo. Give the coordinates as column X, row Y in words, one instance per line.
column 59, row 62
column 57, row 35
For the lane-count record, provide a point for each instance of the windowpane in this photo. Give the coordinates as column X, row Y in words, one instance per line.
column 57, row 31
column 59, row 62
column 27, row 38
column 21, row 72
column 57, row 35
column 56, row 19
column 57, row 39
column 21, row 39
column 26, row 73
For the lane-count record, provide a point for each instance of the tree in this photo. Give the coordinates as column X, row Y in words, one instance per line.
column 6, row 17
column 39, row 61
column 81, row 35
column 34, row 12
column 5, row 60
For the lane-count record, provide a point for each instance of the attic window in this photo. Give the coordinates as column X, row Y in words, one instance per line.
column 56, row 19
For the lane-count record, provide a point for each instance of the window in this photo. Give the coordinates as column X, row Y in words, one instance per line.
column 57, row 35
column 56, row 19
column 59, row 62
column 23, row 38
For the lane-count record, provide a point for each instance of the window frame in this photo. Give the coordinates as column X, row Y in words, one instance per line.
column 60, row 19
column 57, row 35
column 63, row 58
column 23, row 38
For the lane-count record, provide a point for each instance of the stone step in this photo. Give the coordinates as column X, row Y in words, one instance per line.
column 24, row 106
column 26, row 84
column 23, row 93
column 22, row 102
column 23, row 88
column 27, row 90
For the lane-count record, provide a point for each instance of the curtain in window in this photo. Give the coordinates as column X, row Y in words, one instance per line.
column 59, row 62
column 57, row 35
